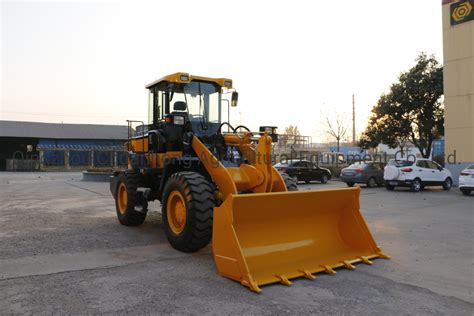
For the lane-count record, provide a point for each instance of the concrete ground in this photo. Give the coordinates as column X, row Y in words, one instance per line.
column 63, row 251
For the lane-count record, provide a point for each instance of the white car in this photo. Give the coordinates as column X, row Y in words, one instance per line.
column 416, row 174
column 466, row 180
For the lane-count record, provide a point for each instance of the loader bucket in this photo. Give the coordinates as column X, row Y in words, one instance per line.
column 265, row 238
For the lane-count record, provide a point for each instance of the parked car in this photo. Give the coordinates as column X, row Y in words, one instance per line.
column 304, row 170
column 466, row 180
column 416, row 174
column 370, row 173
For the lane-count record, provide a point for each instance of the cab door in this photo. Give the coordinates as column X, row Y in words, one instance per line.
column 315, row 172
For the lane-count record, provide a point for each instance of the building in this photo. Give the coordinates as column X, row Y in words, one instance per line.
column 48, row 146
column 458, row 42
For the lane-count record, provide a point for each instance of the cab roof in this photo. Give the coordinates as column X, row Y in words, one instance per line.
column 183, row 77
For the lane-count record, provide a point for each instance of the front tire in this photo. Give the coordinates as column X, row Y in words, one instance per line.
column 126, row 200
column 188, row 205
column 448, row 184
column 466, row 191
column 350, row 184
column 416, row 185
column 290, row 182
column 324, row 179
column 389, row 187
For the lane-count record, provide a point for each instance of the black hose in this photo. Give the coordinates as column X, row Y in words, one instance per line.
column 225, row 123
column 242, row 126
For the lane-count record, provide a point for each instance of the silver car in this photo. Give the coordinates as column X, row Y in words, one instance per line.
column 369, row 173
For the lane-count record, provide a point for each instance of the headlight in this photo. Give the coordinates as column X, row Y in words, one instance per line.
column 178, row 120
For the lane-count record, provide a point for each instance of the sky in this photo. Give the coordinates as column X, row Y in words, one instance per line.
column 292, row 62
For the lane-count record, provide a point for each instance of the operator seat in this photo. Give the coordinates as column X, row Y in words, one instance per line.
column 180, row 106
column 174, row 132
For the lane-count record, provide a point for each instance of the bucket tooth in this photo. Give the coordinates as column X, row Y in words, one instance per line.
column 284, row 280
column 365, row 260
column 307, row 274
column 348, row 265
column 329, row 270
column 252, row 285
column 383, row 255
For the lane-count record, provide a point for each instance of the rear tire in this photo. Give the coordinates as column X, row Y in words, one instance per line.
column 466, row 191
column 448, row 184
column 389, row 187
column 290, row 182
column 416, row 185
column 126, row 200
column 350, row 184
column 371, row 183
column 188, row 205
column 324, row 178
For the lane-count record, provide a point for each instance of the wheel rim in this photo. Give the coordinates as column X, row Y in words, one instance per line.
column 325, row 178
column 371, row 182
column 417, row 185
column 122, row 198
column 448, row 183
column 176, row 212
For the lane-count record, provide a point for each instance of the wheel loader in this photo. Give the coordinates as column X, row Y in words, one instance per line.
column 216, row 181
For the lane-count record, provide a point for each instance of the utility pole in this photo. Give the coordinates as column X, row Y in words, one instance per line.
column 353, row 121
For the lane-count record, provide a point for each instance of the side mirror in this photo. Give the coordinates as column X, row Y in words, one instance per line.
column 235, row 98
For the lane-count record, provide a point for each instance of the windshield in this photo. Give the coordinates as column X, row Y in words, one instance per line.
column 202, row 101
column 357, row 165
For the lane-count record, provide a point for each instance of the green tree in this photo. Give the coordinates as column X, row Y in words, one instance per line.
column 412, row 111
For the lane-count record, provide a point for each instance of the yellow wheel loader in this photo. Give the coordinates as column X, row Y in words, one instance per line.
column 216, row 180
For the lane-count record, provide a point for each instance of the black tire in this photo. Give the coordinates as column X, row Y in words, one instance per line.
column 371, row 183
column 289, row 182
column 307, row 181
column 350, row 184
column 126, row 213
column 416, row 185
column 324, row 178
column 389, row 187
column 465, row 191
column 448, row 184
column 198, row 196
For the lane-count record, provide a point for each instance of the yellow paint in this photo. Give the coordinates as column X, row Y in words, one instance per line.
column 122, row 198
column 177, row 77
column 176, row 212
column 258, row 238
column 269, row 237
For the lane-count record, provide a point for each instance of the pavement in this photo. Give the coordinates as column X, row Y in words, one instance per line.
column 63, row 251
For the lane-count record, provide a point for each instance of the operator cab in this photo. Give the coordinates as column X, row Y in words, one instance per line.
column 183, row 103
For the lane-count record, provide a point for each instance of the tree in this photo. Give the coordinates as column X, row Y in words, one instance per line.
column 292, row 136
column 412, row 111
column 338, row 129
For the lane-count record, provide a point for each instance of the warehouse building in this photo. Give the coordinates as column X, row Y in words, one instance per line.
column 29, row 146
